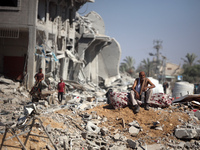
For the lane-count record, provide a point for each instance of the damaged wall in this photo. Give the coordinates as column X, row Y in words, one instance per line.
column 15, row 24
column 53, row 36
column 101, row 53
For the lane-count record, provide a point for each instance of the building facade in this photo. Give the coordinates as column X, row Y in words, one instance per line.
column 51, row 34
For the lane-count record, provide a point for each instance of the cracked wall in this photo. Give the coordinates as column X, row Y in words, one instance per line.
column 60, row 41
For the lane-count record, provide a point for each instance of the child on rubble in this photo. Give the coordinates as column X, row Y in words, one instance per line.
column 61, row 90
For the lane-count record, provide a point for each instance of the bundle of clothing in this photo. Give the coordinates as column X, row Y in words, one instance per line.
column 122, row 99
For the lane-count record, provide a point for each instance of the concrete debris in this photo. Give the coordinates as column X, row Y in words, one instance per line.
column 6, row 81
column 91, row 127
column 131, row 143
column 197, row 114
column 76, row 122
column 185, row 133
column 188, row 98
column 104, row 131
column 117, row 137
column 135, row 124
column 134, row 131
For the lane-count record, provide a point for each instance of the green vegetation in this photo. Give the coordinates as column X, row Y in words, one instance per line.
column 128, row 66
column 147, row 66
column 191, row 69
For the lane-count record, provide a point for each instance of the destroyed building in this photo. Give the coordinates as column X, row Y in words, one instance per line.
column 51, row 34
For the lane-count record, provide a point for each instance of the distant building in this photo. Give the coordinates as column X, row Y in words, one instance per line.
column 51, row 34
column 170, row 71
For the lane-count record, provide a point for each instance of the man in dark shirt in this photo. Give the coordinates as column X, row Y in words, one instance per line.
column 165, row 86
column 39, row 77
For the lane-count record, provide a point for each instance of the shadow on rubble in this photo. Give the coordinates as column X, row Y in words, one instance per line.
column 109, row 106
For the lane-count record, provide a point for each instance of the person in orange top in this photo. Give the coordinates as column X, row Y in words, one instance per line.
column 61, row 90
column 141, row 84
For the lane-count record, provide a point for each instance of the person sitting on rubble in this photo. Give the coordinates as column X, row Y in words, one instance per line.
column 140, row 87
column 39, row 77
column 61, row 90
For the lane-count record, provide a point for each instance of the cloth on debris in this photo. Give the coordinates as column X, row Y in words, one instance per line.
column 119, row 99
column 160, row 100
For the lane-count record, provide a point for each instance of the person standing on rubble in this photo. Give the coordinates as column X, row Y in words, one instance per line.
column 39, row 77
column 61, row 90
column 165, row 86
column 141, row 88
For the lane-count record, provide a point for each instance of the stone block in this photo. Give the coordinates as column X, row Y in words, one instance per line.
column 116, row 137
column 131, row 143
column 63, row 139
column 15, row 101
column 184, row 133
column 68, row 97
column 90, row 99
column 104, row 131
column 91, row 127
column 197, row 114
column 116, row 147
column 134, row 131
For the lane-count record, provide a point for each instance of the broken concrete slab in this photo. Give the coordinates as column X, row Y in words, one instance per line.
column 152, row 147
column 91, row 127
column 131, row 143
column 187, row 98
column 6, row 81
column 116, row 137
column 197, row 114
column 135, row 124
column 104, row 131
column 134, row 131
column 186, row 133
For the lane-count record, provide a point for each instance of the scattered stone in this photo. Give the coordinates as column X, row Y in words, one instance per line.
column 120, row 147
column 133, row 131
column 135, row 124
column 159, row 128
column 104, row 131
column 91, row 127
column 184, row 133
column 197, row 114
column 131, row 143
column 116, row 137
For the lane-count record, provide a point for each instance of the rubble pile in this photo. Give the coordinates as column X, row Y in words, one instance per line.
column 84, row 120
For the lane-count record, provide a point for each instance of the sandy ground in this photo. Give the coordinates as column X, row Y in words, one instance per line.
column 168, row 120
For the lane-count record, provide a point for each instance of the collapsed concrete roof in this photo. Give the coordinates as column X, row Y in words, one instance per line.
column 94, row 45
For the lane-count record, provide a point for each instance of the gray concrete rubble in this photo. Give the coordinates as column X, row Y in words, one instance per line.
column 84, row 130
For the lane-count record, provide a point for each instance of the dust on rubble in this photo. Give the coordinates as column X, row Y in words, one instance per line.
column 167, row 120
column 33, row 142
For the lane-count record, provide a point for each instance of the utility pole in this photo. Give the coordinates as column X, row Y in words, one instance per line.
column 164, row 68
column 157, row 46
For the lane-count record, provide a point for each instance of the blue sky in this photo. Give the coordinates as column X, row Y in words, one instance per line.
column 135, row 24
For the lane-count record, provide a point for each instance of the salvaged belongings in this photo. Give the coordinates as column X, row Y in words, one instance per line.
column 121, row 99
column 160, row 100
column 118, row 99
